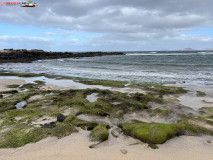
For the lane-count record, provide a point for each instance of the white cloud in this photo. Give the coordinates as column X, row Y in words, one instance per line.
column 117, row 21
column 40, row 39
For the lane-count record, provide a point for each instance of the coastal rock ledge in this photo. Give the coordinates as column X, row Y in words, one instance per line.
column 23, row 55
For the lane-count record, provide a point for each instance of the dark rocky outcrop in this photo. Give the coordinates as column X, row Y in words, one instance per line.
column 23, row 56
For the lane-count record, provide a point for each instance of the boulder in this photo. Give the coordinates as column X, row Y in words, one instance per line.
column 99, row 133
column 61, row 118
column 21, row 105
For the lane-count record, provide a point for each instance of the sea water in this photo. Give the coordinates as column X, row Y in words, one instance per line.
column 192, row 68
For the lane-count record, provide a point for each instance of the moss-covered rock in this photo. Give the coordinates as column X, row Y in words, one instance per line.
column 201, row 94
column 158, row 133
column 99, row 133
column 72, row 119
column 151, row 133
column 23, row 134
column 162, row 113
column 9, row 92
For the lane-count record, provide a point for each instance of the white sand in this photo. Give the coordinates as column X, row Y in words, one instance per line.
column 76, row 147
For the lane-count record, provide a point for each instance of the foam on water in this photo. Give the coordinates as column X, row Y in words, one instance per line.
column 193, row 68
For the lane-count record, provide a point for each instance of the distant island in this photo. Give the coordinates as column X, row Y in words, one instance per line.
column 23, row 55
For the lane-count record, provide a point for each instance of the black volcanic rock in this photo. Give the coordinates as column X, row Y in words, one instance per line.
column 61, row 118
column 24, row 56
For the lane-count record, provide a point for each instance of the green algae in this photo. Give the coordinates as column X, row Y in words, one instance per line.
column 10, row 102
column 151, row 133
column 26, row 75
column 201, row 94
column 159, row 133
column 108, row 83
column 77, row 98
column 40, row 82
column 159, row 89
column 162, row 113
column 99, row 133
column 9, row 92
column 22, row 134
column 13, row 86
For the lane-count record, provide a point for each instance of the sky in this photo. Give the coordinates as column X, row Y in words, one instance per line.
column 107, row 25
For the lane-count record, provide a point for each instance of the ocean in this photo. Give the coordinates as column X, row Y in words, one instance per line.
column 169, row 68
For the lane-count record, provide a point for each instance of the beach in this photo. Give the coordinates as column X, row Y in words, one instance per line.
column 77, row 145
column 106, row 80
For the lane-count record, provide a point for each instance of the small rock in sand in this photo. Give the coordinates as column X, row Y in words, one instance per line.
column 116, row 132
column 124, row 151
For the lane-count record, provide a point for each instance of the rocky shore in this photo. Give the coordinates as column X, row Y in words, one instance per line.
column 105, row 116
column 23, row 55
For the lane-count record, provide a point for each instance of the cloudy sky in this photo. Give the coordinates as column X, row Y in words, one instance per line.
column 107, row 25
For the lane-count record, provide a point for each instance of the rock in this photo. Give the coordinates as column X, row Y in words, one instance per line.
column 35, row 98
column 48, row 125
column 146, row 107
column 119, row 113
column 60, row 118
column 153, row 146
column 124, row 151
column 21, row 105
column 99, row 133
column 103, row 114
column 116, row 132
column 20, row 56
column 94, row 145
column 91, row 127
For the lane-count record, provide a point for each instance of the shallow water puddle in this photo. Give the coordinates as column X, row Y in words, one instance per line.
column 72, row 84
column 195, row 102
column 92, row 98
column 21, row 105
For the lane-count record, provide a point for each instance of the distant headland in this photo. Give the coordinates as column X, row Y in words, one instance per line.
column 23, row 55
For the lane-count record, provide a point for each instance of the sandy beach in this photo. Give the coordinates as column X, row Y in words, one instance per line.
column 76, row 146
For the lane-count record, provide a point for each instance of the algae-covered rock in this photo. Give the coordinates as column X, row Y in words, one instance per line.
column 157, row 133
column 72, row 119
column 99, row 133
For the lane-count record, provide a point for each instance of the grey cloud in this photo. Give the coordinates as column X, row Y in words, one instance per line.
column 119, row 21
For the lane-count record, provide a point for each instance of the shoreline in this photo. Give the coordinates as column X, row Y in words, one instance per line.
column 177, row 148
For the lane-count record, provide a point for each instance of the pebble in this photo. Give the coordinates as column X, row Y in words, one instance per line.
column 124, row 151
